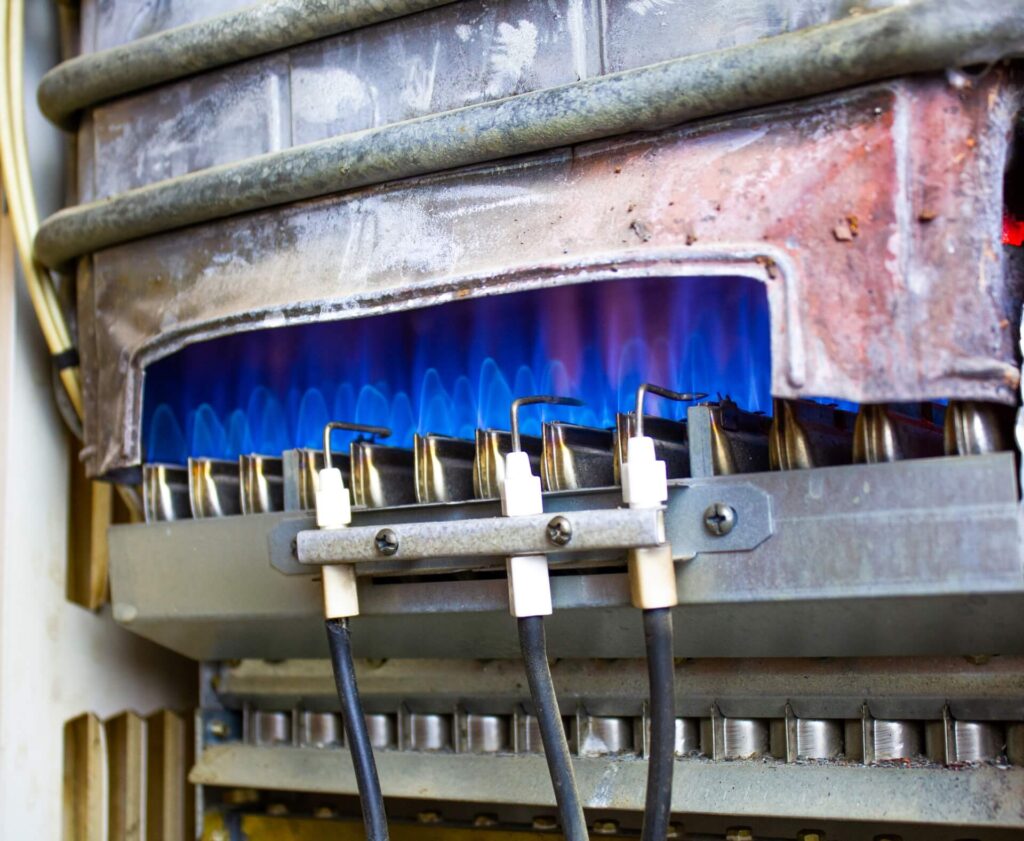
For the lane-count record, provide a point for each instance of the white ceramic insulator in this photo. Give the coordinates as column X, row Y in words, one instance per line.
column 529, row 586
column 644, row 477
column 652, row 577
column 520, row 492
column 334, row 511
column 341, row 598
column 333, row 503
column 652, row 574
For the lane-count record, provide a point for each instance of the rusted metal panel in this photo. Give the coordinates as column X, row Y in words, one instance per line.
column 873, row 217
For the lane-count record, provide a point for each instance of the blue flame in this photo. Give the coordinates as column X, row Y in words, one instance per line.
column 451, row 368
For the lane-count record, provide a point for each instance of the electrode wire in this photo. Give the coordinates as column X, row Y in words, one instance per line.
column 552, row 732
column 661, row 759
column 374, row 431
column 533, row 400
column 661, row 391
column 356, row 734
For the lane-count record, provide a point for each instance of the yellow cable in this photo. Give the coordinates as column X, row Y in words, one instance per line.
column 16, row 61
column 23, row 172
column 21, row 203
column 17, row 180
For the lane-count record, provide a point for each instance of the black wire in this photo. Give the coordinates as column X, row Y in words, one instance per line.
column 64, row 407
column 370, row 796
column 661, row 672
column 552, row 733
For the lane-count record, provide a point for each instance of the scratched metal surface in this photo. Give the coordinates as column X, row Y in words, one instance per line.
column 109, row 23
column 640, row 32
column 873, row 217
column 241, row 112
column 469, row 52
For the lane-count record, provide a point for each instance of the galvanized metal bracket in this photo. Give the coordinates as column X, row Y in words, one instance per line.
column 539, row 534
column 716, row 515
column 282, row 544
column 702, row 516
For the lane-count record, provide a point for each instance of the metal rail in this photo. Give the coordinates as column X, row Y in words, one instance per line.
column 983, row 797
column 582, row 531
column 921, row 36
column 894, row 688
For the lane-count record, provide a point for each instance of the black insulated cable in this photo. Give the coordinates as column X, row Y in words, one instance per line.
column 552, row 734
column 356, row 734
column 661, row 761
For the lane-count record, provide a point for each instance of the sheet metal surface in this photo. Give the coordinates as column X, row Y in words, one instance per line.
column 471, row 52
column 855, row 566
column 918, row 304
column 986, row 798
column 977, row 689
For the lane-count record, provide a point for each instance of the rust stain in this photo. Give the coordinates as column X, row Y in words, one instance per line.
column 843, row 232
column 642, row 231
column 771, row 268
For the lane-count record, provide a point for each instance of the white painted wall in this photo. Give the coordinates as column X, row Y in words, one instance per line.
column 56, row 659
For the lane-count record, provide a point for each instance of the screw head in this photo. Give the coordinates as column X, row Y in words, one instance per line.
column 559, row 531
column 386, row 542
column 719, row 519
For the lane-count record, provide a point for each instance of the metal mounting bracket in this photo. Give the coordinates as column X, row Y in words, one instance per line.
column 702, row 516
column 536, row 534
